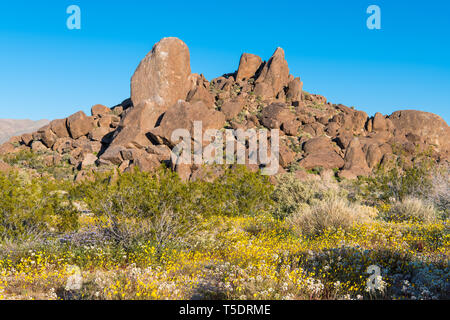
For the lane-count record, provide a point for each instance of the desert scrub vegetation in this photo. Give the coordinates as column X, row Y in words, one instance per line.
column 329, row 214
column 142, row 235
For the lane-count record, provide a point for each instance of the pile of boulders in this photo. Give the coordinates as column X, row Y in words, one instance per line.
column 165, row 96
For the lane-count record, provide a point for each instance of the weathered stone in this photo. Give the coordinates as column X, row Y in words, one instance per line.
column 318, row 144
column 6, row 148
column 323, row 159
column 182, row 115
column 184, row 171
column 38, row 146
column 46, row 135
column 63, row 145
column 291, row 127
column 147, row 162
column 124, row 165
column 27, row 138
column 232, row 108
column 294, row 91
column 89, row 159
column 113, row 154
column 97, row 134
column 248, row 65
column 373, row 156
column 162, row 77
column 431, row 128
column 275, row 73
column 79, row 124
column 355, row 161
column 59, row 127
column 275, row 114
column 134, row 128
column 287, row 156
column 163, row 152
column 200, row 91
column 100, row 109
column 379, row 122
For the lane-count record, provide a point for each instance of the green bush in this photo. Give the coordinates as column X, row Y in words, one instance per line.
column 162, row 208
column 238, row 192
column 291, row 194
column 398, row 180
column 29, row 207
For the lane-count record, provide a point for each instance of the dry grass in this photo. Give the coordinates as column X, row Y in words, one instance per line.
column 335, row 213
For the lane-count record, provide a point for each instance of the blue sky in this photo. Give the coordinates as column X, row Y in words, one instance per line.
column 48, row 71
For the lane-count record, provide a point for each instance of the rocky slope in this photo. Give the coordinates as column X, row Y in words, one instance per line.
column 12, row 127
column 165, row 95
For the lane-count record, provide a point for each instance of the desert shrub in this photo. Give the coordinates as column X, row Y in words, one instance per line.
column 238, row 192
column 411, row 209
column 398, row 180
column 164, row 209
column 439, row 194
column 35, row 160
column 333, row 213
column 157, row 206
column 291, row 194
column 29, row 207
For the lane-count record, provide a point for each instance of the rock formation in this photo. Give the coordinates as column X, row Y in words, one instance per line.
column 165, row 96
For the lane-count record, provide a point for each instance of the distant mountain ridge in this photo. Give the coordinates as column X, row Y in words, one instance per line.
column 14, row 127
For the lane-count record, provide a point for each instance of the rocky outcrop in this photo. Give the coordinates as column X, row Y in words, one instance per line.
column 355, row 161
column 274, row 76
column 182, row 115
column 165, row 96
column 162, row 77
column 422, row 127
column 248, row 66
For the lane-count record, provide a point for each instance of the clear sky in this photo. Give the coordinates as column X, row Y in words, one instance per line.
column 48, row 71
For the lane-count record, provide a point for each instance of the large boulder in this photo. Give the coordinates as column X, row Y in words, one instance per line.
column 379, row 123
column 294, row 91
column 79, row 124
column 100, row 109
column 182, row 115
column 200, row 91
column 355, row 161
column 248, row 66
column 275, row 74
column 430, row 128
column 275, row 114
column 46, row 135
column 326, row 159
column 59, row 128
column 232, row 108
column 318, row 144
column 162, row 77
column 135, row 126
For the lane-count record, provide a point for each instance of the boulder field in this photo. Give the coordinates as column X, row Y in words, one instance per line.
column 165, row 96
